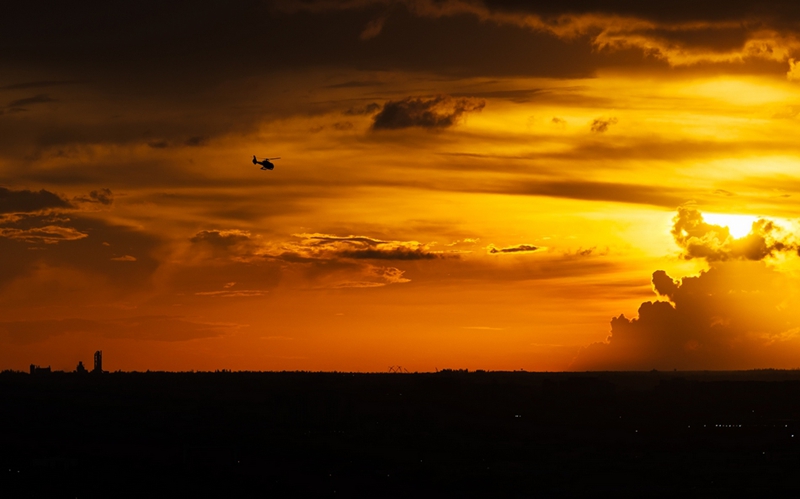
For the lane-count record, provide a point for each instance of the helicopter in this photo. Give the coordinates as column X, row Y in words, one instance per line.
column 264, row 162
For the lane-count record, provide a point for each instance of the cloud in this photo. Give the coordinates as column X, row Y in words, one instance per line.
column 25, row 201
column 600, row 125
column 125, row 258
column 234, row 293
column 373, row 28
column 102, row 197
column 36, row 99
column 736, row 315
column 374, row 277
column 441, row 111
column 699, row 239
column 221, row 238
column 714, row 32
column 370, row 108
column 794, row 72
column 196, row 141
column 519, row 248
column 312, row 260
column 60, row 253
column 343, row 126
column 597, row 191
column 327, row 246
column 49, row 234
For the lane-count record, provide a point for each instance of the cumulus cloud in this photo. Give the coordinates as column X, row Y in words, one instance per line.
column 699, row 239
column 519, row 248
column 600, row 125
column 441, row 111
column 737, row 315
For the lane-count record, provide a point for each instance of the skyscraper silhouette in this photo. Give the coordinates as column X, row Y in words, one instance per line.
column 98, row 362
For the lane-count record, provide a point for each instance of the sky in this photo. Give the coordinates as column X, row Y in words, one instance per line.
column 480, row 184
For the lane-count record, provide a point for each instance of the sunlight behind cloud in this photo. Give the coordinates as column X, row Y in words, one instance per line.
column 738, row 225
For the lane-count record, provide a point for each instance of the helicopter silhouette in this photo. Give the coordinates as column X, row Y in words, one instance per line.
column 264, row 162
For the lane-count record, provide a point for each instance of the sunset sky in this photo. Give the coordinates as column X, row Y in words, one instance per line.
column 477, row 184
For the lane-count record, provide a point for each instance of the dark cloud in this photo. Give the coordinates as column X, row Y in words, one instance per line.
column 441, row 111
column 584, row 252
column 25, row 201
column 103, row 197
column 389, row 253
column 196, row 141
column 600, row 125
column 681, row 33
column 699, row 239
column 519, row 248
column 36, row 99
column 737, row 315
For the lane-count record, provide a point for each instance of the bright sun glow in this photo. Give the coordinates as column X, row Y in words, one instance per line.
column 738, row 225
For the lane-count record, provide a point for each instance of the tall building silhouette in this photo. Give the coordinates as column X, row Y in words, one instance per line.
column 98, row 362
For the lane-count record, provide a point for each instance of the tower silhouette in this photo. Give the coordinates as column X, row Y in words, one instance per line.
column 98, row 362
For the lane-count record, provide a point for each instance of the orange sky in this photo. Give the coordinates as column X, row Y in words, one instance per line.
column 463, row 184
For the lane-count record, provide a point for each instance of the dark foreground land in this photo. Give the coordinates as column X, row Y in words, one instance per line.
column 448, row 434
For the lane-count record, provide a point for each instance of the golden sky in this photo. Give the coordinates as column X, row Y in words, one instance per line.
column 462, row 184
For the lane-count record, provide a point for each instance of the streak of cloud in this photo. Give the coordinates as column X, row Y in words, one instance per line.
column 519, row 248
